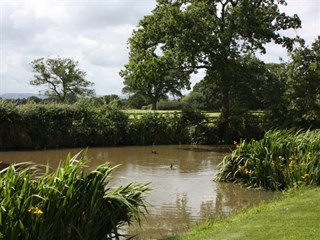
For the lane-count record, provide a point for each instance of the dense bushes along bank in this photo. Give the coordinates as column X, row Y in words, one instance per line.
column 40, row 126
column 281, row 160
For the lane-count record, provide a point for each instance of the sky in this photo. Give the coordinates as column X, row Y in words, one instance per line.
column 95, row 33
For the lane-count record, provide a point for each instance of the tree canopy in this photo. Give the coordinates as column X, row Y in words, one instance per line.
column 150, row 74
column 63, row 78
column 303, row 86
column 213, row 35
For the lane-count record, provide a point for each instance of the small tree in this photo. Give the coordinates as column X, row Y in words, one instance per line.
column 303, row 86
column 151, row 75
column 62, row 76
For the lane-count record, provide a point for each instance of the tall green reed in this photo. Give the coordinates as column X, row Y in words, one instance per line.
column 37, row 202
column 282, row 159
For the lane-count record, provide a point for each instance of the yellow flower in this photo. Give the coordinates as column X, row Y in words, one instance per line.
column 281, row 158
column 309, row 156
column 303, row 164
column 292, row 163
column 35, row 211
column 240, row 168
column 305, row 176
column 237, row 145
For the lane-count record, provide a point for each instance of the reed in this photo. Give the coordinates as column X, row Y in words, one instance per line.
column 67, row 203
column 281, row 160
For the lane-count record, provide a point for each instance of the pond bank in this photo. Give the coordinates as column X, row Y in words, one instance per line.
column 294, row 216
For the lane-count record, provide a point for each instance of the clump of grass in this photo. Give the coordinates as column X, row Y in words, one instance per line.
column 282, row 159
column 68, row 203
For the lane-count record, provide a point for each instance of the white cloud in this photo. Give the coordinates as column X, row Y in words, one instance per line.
column 95, row 33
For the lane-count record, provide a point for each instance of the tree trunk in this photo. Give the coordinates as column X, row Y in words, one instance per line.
column 225, row 113
column 154, row 105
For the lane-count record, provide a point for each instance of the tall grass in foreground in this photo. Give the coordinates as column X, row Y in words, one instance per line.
column 282, row 159
column 68, row 203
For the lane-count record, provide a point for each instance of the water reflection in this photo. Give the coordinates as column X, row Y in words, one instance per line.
column 181, row 196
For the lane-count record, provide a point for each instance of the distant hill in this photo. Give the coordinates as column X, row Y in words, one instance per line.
column 20, row 95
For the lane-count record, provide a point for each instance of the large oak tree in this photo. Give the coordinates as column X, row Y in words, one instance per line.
column 213, row 35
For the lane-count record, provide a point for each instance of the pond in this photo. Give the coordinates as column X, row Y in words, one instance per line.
column 181, row 176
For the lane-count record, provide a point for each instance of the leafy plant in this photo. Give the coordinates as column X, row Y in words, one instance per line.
column 282, row 159
column 67, row 203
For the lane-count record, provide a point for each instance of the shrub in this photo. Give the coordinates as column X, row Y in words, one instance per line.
column 194, row 126
column 115, row 126
column 86, row 123
column 67, row 203
column 169, row 105
column 151, row 128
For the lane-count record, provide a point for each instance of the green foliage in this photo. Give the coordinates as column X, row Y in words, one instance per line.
column 303, row 87
column 12, row 133
column 65, row 81
column 67, row 203
column 282, row 159
column 214, row 35
column 187, row 126
column 295, row 102
column 151, row 128
column 52, row 125
column 151, row 75
column 89, row 122
column 115, row 124
column 241, row 124
column 136, row 101
column 193, row 127
column 170, row 105
column 201, row 98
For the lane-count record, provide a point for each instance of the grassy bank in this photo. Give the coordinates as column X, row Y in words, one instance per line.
column 295, row 216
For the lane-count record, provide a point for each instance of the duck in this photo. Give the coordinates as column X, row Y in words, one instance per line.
column 153, row 151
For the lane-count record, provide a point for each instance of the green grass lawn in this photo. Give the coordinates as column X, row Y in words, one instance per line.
column 295, row 216
column 139, row 112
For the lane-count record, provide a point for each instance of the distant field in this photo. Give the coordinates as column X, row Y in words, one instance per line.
column 139, row 112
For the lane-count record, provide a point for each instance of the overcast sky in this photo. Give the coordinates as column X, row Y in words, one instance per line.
column 95, row 33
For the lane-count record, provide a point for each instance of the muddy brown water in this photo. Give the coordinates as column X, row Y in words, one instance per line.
column 182, row 195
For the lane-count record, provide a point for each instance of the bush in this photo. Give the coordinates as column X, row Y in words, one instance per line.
column 86, row 123
column 194, row 125
column 151, row 128
column 115, row 126
column 67, row 203
column 242, row 125
column 41, row 126
column 170, row 105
